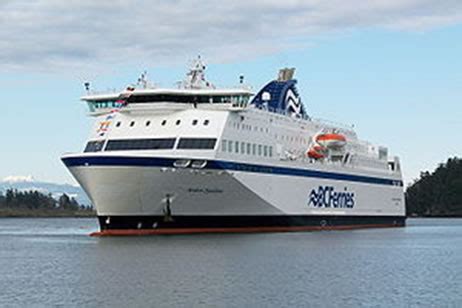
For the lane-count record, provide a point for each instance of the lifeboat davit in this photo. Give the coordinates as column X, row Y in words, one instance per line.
column 332, row 140
column 316, row 152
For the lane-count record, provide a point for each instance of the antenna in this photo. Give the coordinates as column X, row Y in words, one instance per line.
column 195, row 78
column 143, row 80
column 86, row 84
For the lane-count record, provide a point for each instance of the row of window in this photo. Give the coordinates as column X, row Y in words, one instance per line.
column 201, row 99
column 151, row 144
column 94, row 146
column 94, row 105
column 248, row 127
column 140, row 144
column 164, row 122
column 247, row 148
column 197, row 143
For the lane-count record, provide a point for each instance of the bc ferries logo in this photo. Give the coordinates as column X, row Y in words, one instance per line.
column 293, row 102
column 327, row 197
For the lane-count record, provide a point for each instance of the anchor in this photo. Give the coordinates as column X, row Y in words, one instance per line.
column 167, row 210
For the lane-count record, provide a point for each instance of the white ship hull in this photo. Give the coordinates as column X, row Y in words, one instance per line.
column 131, row 193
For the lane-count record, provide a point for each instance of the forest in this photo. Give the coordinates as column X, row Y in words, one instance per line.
column 437, row 193
column 16, row 203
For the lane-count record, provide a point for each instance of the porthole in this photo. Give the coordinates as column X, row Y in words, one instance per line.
column 194, row 122
column 148, row 123
column 178, row 122
column 206, row 122
column 132, row 123
column 164, row 122
column 118, row 124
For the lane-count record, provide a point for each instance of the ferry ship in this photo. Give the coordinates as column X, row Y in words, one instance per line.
column 196, row 159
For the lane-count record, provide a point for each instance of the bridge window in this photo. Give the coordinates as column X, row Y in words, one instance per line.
column 242, row 147
column 248, row 148
column 94, row 105
column 254, row 149
column 265, row 151
column 230, row 146
column 140, row 144
column 259, row 150
column 223, row 145
column 197, row 143
column 172, row 98
column 236, row 147
column 94, row 146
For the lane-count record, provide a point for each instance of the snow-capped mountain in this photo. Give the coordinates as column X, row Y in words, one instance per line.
column 25, row 183
column 18, row 179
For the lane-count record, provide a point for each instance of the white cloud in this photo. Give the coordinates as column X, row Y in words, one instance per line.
column 52, row 34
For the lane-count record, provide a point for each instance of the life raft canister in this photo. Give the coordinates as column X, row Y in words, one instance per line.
column 332, row 140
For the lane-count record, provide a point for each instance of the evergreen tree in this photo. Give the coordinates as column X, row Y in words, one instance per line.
column 2, row 200
column 438, row 193
column 36, row 201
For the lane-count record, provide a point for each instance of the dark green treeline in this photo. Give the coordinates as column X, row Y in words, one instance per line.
column 438, row 193
column 34, row 203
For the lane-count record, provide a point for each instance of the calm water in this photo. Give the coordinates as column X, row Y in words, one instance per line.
column 52, row 262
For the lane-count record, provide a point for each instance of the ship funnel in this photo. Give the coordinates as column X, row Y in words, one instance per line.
column 286, row 74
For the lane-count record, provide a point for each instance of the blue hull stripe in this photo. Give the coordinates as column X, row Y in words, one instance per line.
column 224, row 165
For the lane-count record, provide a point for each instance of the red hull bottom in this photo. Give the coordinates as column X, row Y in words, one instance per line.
column 173, row 231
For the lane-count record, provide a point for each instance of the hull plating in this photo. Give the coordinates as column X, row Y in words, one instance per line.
column 142, row 195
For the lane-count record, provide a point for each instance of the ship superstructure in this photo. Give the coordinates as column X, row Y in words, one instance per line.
column 197, row 158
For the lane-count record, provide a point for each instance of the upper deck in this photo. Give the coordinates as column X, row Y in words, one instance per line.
column 193, row 91
column 131, row 99
column 274, row 119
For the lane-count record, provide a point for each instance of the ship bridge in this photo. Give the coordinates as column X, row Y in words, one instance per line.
column 193, row 92
column 144, row 99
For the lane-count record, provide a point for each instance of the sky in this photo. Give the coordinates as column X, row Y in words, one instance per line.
column 392, row 68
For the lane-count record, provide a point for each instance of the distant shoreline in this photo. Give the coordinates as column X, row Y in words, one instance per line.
column 436, row 216
column 22, row 213
column 15, row 213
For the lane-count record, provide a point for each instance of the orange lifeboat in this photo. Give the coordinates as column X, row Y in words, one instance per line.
column 316, row 152
column 331, row 140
